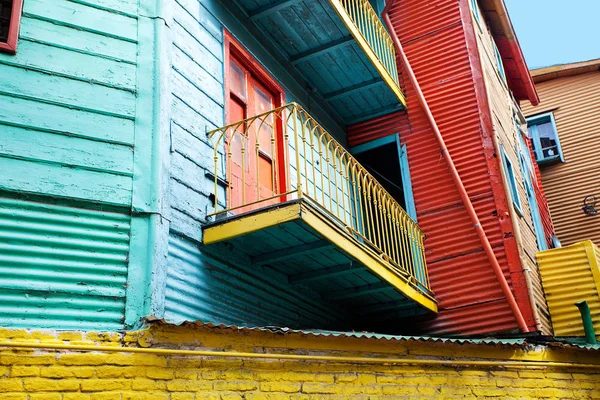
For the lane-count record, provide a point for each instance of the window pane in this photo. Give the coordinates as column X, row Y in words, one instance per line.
column 263, row 103
column 531, row 130
column 237, row 80
column 548, row 140
column 5, row 11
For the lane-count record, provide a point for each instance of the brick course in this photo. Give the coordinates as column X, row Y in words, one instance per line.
column 75, row 375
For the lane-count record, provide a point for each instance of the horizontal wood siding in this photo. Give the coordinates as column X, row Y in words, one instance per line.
column 68, row 109
column 67, row 124
column 200, row 286
column 574, row 101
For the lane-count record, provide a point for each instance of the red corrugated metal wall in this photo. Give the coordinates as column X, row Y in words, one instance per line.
column 390, row 124
column 471, row 302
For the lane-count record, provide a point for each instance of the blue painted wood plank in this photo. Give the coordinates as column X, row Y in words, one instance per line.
column 187, row 201
column 190, row 120
column 183, row 225
column 72, row 64
column 43, row 146
column 197, row 76
column 196, row 99
column 74, row 39
column 63, row 120
column 186, row 42
column 128, row 7
column 204, row 18
column 197, row 31
column 83, row 17
column 57, row 90
column 55, row 180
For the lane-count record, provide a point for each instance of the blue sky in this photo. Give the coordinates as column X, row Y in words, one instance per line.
column 556, row 31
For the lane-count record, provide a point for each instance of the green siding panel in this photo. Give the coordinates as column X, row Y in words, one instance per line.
column 42, row 31
column 62, row 266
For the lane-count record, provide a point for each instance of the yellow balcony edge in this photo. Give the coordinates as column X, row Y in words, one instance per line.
column 262, row 219
column 371, row 261
column 218, row 232
column 355, row 32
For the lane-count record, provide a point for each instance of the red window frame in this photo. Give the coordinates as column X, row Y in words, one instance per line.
column 10, row 46
column 234, row 50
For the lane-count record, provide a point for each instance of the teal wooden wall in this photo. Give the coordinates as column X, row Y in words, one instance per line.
column 213, row 285
column 103, row 151
column 67, row 133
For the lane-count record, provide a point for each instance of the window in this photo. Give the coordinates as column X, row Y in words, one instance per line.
column 528, row 179
column 544, row 139
column 510, row 177
column 10, row 17
column 499, row 63
column 475, row 10
column 386, row 159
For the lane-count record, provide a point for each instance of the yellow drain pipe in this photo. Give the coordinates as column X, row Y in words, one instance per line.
column 275, row 356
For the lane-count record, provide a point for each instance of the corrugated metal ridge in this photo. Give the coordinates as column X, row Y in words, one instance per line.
column 327, row 333
column 514, row 342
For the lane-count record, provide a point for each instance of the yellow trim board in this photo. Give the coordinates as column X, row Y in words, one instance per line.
column 257, row 221
column 218, row 232
column 355, row 32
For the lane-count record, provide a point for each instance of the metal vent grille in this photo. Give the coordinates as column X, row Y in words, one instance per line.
column 5, row 11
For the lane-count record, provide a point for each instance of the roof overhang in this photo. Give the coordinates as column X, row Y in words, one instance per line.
column 563, row 70
column 518, row 76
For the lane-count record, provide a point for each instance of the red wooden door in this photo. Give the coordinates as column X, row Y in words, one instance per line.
column 252, row 169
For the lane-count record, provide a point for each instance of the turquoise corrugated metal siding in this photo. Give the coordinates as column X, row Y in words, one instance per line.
column 62, row 267
column 200, row 287
column 67, row 128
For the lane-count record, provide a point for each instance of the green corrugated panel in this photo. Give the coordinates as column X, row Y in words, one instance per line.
column 62, row 266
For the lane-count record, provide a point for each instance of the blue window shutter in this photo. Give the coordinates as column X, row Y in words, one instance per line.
column 528, row 174
column 409, row 199
column 510, row 176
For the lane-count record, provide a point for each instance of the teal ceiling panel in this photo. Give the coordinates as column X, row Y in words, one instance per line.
column 326, row 53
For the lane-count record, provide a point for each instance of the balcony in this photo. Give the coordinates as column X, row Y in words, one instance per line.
column 339, row 47
column 289, row 197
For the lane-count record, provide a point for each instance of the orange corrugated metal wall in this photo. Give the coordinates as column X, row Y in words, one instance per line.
column 470, row 299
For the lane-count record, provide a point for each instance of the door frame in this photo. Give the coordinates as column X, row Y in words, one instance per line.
column 234, row 49
column 409, row 199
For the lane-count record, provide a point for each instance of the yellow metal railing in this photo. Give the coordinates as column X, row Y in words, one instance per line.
column 285, row 154
column 367, row 29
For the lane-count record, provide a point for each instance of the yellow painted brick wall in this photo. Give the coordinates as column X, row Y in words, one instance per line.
column 46, row 374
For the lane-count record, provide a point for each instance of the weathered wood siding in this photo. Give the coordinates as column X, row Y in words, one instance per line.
column 574, row 101
column 67, row 126
column 215, row 286
column 503, row 107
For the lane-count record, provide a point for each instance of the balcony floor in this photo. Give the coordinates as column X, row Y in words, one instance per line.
column 324, row 51
column 298, row 239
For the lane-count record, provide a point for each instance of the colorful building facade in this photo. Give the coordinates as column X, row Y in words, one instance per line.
column 220, row 200
column 567, row 158
column 269, row 165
